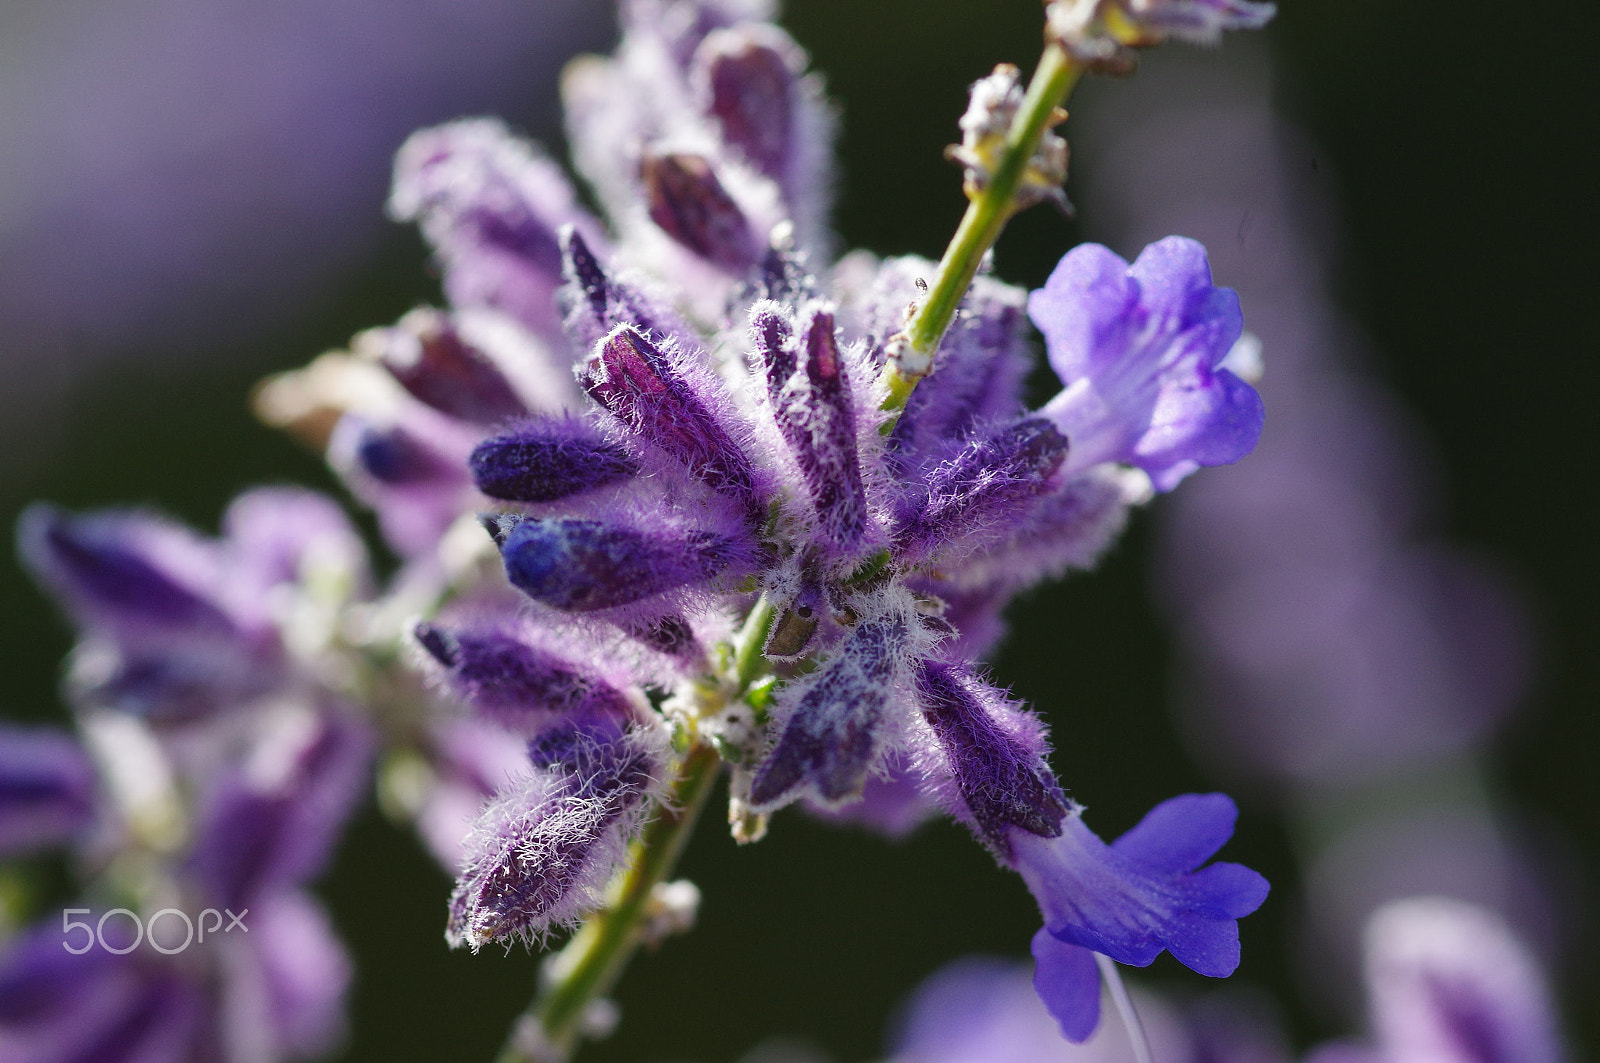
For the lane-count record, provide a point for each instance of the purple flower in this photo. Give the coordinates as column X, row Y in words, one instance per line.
column 1449, row 982
column 175, row 626
column 429, row 357
column 269, row 824
column 808, row 389
column 1139, row 349
column 577, row 565
column 492, row 207
column 1130, row 900
column 47, row 789
column 980, row 491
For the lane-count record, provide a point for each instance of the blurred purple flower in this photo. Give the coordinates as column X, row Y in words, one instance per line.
column 47, row 789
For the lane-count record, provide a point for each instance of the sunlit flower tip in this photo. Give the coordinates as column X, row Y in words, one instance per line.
column 666, row 403
column 595, row 302
column 491, row 205
column 809, row 392
column 837, row 719
column 983, row 487
column 271, row 822
column 992, row 757
column 1142, row 894
column 514, row 683
column 687, row 202
column 47, row 789
column 1449, row 982
column 540, row 854
column 748, row 79
column 427, row 354
column 547, row 460
column 578, row 565
column 1140, row 349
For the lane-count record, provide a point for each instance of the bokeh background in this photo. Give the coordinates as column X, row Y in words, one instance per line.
column 190, row 198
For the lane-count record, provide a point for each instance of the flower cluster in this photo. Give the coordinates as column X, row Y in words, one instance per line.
column 214, row 772
column 654, row 502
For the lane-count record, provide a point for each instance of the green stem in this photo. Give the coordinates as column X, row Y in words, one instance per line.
column 980, row 227
column 594, row 959
column 748, row 663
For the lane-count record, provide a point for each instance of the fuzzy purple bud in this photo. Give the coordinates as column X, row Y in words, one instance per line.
column 978, row 373
column 640, row 385
column 750, row 93
column 540, row 854
column 988, row 483
column 582, row 565
column 47, row 786
column 812, row 404
column 690, row 205
column 548, row 460
column 995, row 756
column 492, row 207
column 122, row 572
column 513, row 683
column 395, row 456
column 833, row 734
column 431, row 360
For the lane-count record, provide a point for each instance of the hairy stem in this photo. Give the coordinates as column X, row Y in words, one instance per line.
column 980, row 227
column 590, row 964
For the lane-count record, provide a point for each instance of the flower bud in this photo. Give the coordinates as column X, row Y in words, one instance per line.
column 690, row 205
column 640, row 385
column 582, row 565
column 431, row 360
column 548, row 460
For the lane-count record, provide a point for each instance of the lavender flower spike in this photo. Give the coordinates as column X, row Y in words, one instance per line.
column 1140, row 350
column 1136, row 897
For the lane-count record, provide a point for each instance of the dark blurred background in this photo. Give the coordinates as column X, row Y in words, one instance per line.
column 191, row 197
